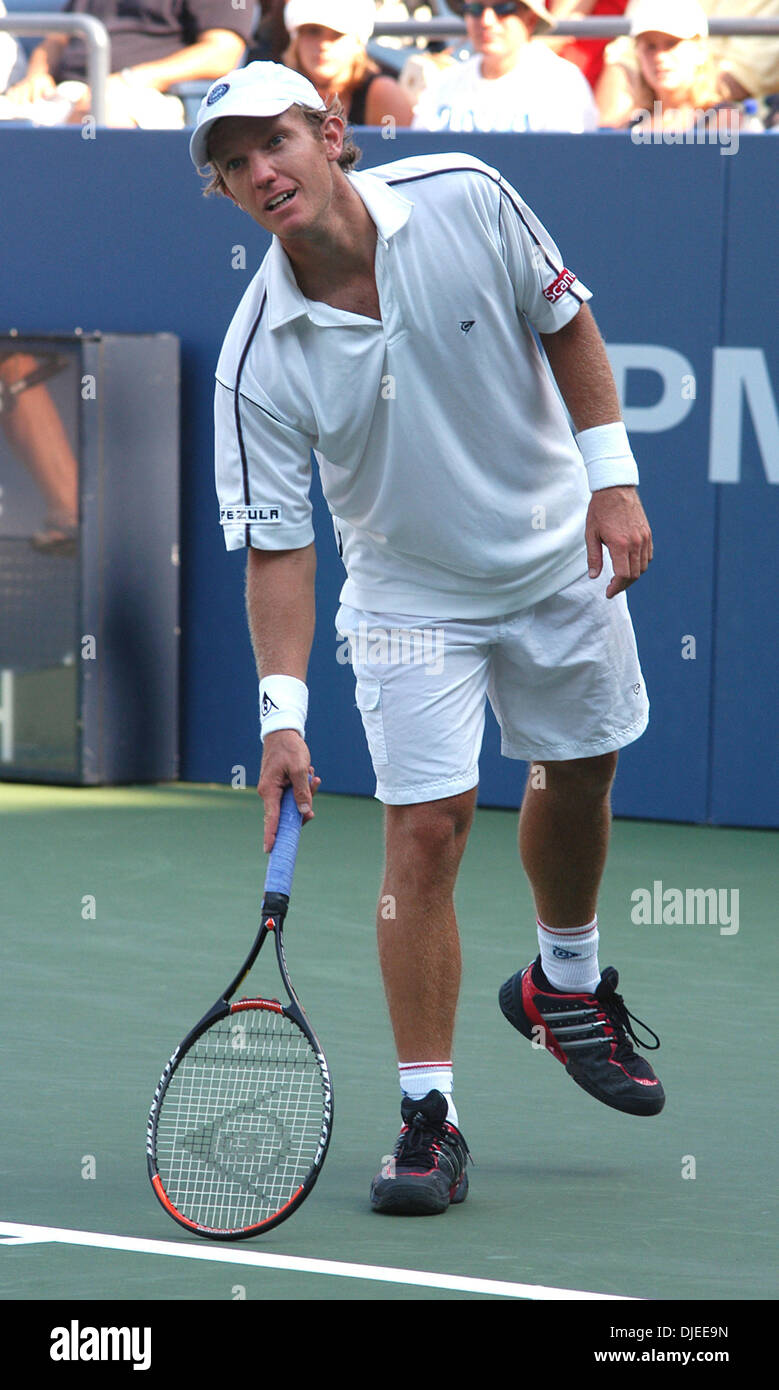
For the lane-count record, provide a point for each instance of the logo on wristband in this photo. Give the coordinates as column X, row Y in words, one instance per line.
column 267, row 705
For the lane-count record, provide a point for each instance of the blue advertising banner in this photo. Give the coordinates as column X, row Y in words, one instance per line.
column 112, row 234
column 744, row 473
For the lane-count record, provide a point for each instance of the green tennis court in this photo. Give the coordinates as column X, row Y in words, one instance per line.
column 126, row 911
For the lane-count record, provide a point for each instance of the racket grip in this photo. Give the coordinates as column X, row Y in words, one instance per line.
column 281, row 865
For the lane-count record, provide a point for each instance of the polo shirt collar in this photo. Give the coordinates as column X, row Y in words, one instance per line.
column 388, row 209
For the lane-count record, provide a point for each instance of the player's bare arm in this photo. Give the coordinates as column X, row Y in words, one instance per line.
column 215, row 51
column 281, row 613
column 616, row 518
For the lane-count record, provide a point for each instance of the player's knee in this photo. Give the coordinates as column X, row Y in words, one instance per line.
column 433, row 831
column 585, row 777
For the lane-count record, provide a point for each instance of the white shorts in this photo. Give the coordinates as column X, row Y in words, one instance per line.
column 563, row 678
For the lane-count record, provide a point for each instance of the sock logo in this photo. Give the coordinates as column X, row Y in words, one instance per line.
column 562, row 954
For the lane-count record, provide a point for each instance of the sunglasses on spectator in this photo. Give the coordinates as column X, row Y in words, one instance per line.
column 503, row 8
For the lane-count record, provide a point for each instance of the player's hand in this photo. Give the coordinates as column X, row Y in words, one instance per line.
column 285, row 761
column 617, row 520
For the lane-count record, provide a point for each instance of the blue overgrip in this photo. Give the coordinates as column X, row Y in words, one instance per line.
column 281, row 865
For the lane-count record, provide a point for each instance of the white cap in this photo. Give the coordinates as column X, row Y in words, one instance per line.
column 259, row 89
column 547, row 20
column 344, row 16
column 682, row 19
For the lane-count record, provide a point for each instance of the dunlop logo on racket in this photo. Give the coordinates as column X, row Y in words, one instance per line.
column 239, row 1126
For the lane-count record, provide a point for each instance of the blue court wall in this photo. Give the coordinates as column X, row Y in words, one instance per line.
column 676, row 243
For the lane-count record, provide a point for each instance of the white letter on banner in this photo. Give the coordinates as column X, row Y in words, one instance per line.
column 6, row 716
column 672, row 368
column 740, row 372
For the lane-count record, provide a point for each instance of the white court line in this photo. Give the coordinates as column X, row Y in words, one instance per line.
column 420, row 1278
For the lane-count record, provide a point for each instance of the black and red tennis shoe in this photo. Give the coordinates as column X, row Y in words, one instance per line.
column 427, row 1170
column 590, row 1034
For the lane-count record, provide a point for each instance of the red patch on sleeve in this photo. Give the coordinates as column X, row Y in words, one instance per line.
column 558, row 287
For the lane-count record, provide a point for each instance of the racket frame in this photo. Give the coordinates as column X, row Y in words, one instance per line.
column 274, row 910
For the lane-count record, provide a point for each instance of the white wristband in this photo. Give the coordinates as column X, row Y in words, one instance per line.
column 608, row 457
column 283, row 704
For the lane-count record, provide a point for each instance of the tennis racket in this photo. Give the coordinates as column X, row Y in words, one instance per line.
column 241, row 1119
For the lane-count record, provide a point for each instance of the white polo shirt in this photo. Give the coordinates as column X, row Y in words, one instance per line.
column 446, row 458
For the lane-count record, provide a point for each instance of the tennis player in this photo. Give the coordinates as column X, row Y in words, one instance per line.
column 389, row 330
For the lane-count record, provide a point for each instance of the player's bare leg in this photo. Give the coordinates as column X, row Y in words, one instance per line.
column 564, row 830
column 419, row 946
column 419, row 950
column 563, row 1000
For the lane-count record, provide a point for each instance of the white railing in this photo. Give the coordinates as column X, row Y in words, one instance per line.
column 607, row 27
column 93, row 31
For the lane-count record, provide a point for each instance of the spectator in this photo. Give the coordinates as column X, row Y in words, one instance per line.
column 746, row 67
column 676, row 76
column 327, row 46
column 11, row 59
column 427, row 60
column 512, row 82
column 154, row 45
column 587, row 54
column 270, row 35
column 271, row 38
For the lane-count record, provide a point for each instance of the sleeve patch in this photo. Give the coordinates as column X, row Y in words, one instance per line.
column 560, row 286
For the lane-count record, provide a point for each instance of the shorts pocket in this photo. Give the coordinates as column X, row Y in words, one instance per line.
column 368, row 696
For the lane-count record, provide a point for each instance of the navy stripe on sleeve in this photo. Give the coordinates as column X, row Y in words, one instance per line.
column 237, row 412
column 466, row 169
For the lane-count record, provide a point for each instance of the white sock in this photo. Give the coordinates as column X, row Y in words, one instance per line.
column 417, row 1078
column 569, row 956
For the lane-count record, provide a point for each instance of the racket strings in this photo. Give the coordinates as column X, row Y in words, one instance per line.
column 240, row 1122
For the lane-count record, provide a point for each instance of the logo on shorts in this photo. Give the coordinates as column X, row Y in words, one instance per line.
column 217, row 92
column 467, row 324
column 558, row 287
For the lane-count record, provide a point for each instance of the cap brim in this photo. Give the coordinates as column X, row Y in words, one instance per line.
column 672, row 33
column 241, row 106
column 545, row 23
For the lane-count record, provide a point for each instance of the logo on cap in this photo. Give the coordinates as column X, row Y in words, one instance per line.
column 217, row 92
